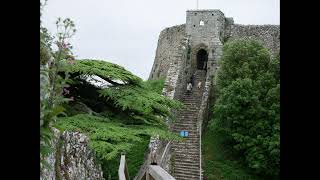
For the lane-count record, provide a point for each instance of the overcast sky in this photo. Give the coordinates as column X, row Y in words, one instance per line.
column 126, row 32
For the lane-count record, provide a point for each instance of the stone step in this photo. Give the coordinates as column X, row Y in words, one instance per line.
column 187, row 173
column 187, row 99
column 191, row 125
column 190, row 142
column 187, row 152
column 189, row 110
column 190, row 166
column 188, row 146
column 185, row 116
column 181, row 177
column 190, row 137
column 192, row 130
column 183, row 150
column 194, row 171
column 188, row 170
column 187, row 162
column 185, row 123
column 187, row 156
column 188, row 116
column 194, row 164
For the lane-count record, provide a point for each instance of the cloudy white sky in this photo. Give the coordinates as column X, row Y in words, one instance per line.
column 126, row 32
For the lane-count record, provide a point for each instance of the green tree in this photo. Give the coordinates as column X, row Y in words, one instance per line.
column 117, row 111
column 247, row 110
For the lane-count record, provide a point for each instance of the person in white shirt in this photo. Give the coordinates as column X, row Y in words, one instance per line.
column 189, row 87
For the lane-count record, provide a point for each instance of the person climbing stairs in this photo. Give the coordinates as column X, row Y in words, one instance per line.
column 187, row 158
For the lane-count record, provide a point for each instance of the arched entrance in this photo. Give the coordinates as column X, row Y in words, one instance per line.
column 202, row 59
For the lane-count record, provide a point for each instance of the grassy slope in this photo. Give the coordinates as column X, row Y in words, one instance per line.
column 218, row 163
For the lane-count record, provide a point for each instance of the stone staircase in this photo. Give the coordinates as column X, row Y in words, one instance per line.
column 187, row 162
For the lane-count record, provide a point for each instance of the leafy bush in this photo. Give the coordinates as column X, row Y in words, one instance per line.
column 247, row 111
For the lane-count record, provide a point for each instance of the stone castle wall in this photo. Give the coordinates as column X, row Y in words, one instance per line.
column 217, row 30
column 71, row 158
column 177, row 49
column 168, row 50
column 268, row 35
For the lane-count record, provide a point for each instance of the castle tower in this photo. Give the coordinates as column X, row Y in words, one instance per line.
column 205, row 31
column 196, row 47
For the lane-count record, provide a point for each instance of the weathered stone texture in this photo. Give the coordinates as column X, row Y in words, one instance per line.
column 268, row 35
column 178, row 46
column 167, row 50
column 71, row 159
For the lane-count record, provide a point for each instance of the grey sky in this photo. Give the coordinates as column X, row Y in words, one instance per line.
column 126, row 32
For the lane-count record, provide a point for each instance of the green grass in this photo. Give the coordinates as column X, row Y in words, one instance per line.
column 219, row 162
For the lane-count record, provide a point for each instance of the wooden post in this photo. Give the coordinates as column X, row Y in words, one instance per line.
column 123, row 169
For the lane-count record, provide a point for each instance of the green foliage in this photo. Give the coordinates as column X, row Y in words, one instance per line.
column 220, row 163
column 247, row 111
column 135, row 157
column 118, row 118
column 141, row 101
column 242, row 59
column 155, row 85
column 108, row 71
column 134, row 160
column 109, row 138
column 52, row 99
column 144, row 104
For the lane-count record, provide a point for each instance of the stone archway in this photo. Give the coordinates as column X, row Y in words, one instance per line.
column 202, row 59
column 199, row 55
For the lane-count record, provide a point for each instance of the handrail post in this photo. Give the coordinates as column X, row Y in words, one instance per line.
column 200, row 152
column 123, row 169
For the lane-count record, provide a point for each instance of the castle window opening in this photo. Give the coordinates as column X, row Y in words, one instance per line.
column 202, row 59
column 201, row 23
column 194, row 25
column 195, row 14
